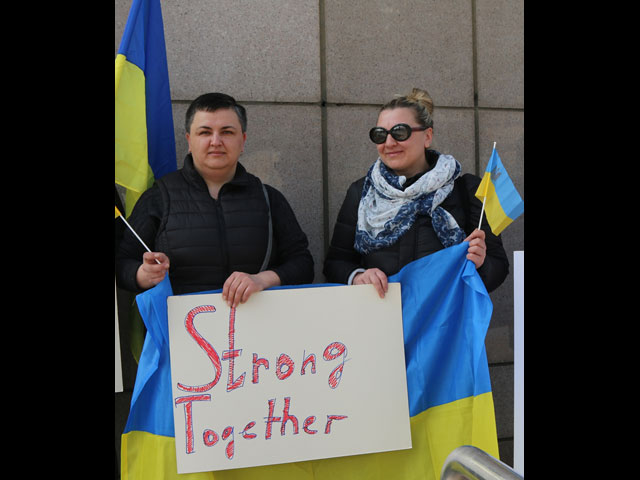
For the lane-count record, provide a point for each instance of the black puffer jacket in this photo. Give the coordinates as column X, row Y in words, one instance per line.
column 206, row 239
column 420, row 240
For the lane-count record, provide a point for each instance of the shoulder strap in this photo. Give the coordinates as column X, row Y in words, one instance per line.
column 265, row 263
column 164, row 196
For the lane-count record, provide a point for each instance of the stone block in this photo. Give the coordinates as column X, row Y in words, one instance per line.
column 375, row 49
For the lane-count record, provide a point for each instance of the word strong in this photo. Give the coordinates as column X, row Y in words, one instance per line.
column 285, row 365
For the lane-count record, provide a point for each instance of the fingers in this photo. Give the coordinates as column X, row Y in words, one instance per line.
column 157, row 258
column 375, row 277
column 153, row 269
column 477, row 251
column 476, row 234
column 239, row 287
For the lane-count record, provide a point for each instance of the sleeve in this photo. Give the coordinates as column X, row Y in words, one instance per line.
column 495, row 268
column 342, row 258
column 291, row 259
column 145, row 220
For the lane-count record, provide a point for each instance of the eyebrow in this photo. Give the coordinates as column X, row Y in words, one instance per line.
column 221, row 128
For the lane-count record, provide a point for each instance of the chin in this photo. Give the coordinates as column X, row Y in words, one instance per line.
column 394, row 165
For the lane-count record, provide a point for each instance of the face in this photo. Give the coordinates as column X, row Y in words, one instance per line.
column 407, row 157
column 216, row 141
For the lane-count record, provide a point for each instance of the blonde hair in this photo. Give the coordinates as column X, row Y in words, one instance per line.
column 419, row 101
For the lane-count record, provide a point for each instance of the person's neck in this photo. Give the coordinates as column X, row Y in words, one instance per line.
column 215, row 180
column 418, row 169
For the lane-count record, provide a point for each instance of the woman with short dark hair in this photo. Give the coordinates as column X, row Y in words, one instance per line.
column 212, row 224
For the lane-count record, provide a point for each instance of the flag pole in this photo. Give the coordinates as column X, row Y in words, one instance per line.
column 482, row 211
column 134, row 232
column 484, row 200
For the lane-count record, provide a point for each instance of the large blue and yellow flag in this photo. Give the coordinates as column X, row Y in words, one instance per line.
column 503, row 204
column 145, row 145
column 446, row 311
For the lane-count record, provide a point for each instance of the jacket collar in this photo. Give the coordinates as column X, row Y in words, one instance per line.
column 242, row 177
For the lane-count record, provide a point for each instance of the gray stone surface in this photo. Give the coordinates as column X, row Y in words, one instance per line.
column 500, row 47
column 376, row 48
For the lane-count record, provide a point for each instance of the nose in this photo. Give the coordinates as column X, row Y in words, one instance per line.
column 390, row 140
column 216, row 138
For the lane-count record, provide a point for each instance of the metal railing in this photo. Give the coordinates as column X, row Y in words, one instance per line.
column 471, row 463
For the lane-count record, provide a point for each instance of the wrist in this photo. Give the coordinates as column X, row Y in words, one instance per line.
column 353, row 275
column 141, row 279
column 268, row 279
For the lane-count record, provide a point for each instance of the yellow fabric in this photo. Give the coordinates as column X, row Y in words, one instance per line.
column 484, row 185
column 146, row 456
column 117, row 213
column 434, row 434
column 132, row 169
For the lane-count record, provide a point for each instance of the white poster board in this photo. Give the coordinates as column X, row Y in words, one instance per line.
column 118, row 359
column 518, row 341
column 292, row 375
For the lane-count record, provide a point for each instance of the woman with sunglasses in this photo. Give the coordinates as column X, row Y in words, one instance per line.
column 413, row 202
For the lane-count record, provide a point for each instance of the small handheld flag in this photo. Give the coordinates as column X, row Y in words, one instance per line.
column 499, row 196
column 118, row 214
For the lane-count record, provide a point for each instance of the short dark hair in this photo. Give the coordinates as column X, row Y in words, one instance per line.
column 210, row 102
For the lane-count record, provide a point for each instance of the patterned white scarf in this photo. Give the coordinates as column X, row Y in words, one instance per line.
column 386, row 211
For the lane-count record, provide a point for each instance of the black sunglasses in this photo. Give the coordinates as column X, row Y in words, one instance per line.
column 399, row 132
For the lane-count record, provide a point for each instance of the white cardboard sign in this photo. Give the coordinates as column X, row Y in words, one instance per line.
column 291, row 375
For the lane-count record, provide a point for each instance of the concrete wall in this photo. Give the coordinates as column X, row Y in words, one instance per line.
column 313, row 73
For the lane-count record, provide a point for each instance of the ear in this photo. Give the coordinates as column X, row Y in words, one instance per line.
column 188, row 143
column 428, row 138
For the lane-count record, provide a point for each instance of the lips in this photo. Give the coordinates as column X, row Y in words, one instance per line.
column 393, row 153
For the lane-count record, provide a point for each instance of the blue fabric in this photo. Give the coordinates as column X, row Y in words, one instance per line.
column 151, row 400
column 445, row 316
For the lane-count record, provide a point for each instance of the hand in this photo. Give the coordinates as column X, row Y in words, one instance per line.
column 240, row 286
column 375, row 277
column 477, row 247
column 150, row 273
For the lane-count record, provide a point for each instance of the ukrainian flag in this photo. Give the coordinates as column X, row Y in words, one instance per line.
column 145, row 144
column 503, row 204
column 446, row 311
